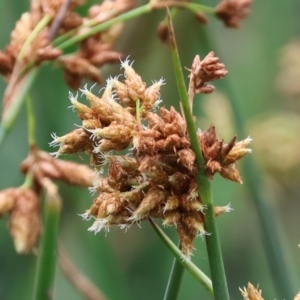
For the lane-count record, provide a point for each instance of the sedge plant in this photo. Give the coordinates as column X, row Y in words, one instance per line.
column 147, row 162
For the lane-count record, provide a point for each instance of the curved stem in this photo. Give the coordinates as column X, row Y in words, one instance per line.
column 186, row 264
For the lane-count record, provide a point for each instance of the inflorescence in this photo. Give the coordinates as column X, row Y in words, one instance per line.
column 157, row 176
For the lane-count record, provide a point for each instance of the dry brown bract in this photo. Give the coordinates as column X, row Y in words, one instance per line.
column 156, row 179
column 231, row 12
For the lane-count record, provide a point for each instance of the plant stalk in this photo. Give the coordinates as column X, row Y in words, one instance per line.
column 274, row 240
column 186, row 264
column 204, row 188
column 18, row 98
column 174, row 281
column 45, row 271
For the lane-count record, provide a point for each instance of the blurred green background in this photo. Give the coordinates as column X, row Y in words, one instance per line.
column 263, row 59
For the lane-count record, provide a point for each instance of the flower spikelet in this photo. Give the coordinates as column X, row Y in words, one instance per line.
column 251, row 293
column 206, row 70
column 24, row 220
column 231, row 12
column 220, row 157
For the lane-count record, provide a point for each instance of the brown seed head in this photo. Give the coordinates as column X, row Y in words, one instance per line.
column 136, row 87
column 208, row 69
column 238, row 151
column 24, row 223
column 231, row 12
column 152, row 199
column 251, row 293
column 81, row 67
column 77, row 140
column 151, row 97
column 222, row 157
column 186, row 235
column 42, row 165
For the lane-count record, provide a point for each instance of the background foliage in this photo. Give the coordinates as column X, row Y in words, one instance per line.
column 135, row 264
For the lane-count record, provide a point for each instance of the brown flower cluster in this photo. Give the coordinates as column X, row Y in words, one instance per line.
column 203, row 71
column 231, row 12
column 92, row 53
column 24, row 223
column 22, row 203
column 156, row 179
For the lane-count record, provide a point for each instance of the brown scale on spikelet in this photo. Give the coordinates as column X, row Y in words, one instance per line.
column 157, row 178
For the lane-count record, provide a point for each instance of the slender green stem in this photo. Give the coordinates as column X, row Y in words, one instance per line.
column 16, row 102
column 69, row 39
column 31, row 122
column 47, row 251
column 42, row 24
column 274, row 240
column 204, row 188
column 100, row 27
column 187, row 264
column 28, row 181
column 174, row 281
column 193, row 7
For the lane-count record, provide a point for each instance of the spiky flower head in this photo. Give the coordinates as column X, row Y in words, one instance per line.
column 157, row 178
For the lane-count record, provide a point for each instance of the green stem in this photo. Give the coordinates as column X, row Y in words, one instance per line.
column 187, row 264
column 28, row 181
column 174, row 281
column 103, row 26
column 204, row 188
column 47, row 251
column 69, row 39
column 39, row 27
column 31, row 122
column 274, row 240
column 16, row 102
